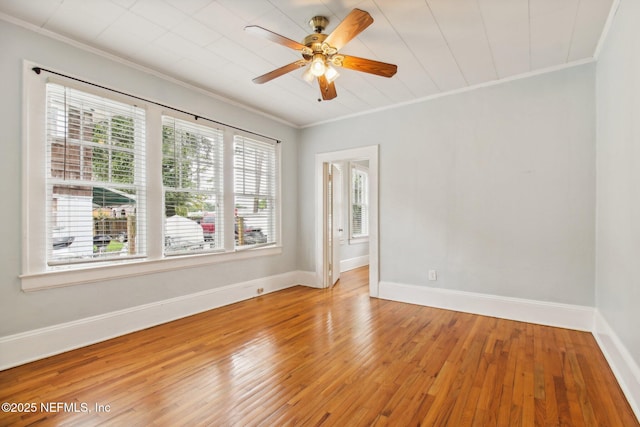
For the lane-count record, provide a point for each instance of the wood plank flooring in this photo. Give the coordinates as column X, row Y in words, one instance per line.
column 325, row 357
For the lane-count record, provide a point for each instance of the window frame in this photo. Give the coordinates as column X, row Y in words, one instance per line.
column 36, row 274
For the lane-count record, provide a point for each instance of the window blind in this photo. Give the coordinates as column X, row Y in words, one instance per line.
column 255, row 191
column 95, row 177
column 192, row 174
column 359, row 202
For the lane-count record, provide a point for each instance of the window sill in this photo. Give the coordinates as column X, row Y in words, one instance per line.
column 358, row 240
column 81, row 275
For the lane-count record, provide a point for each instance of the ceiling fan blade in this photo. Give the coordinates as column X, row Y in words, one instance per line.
column 274, row 37
column 350, row 27
column 280, row 71
column 369, row 66
column 328, row 90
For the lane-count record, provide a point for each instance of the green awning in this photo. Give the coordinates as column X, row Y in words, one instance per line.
column 107, row 197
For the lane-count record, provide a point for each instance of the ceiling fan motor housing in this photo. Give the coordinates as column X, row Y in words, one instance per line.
column 314, row 42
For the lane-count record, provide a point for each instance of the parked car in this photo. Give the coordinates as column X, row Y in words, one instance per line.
column 208, row 224
column 252, row 235
column 61, row 238
column 62, row 242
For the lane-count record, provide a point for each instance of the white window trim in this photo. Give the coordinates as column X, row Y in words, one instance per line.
column 77, row 276
column 36, row 274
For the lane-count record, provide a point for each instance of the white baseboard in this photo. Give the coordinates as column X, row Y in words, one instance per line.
column 539, row 312
column 622, row 364
column 351, row 263
column 40, row 343
column 308, row 278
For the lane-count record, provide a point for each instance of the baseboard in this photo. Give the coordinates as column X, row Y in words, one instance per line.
column 40, row 343
column 539, row 312
column 624, row 367
column 351, row 263
column 308, row 278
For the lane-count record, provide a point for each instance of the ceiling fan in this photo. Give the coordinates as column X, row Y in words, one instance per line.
column 320, row 52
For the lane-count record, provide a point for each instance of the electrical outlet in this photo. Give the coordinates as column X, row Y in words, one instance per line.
column 433, row 275
column 260, row 290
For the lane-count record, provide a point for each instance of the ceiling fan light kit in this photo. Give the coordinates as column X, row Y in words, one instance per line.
column 320, row 52
column 308, row 76
column 331, row 74
column 318, row 66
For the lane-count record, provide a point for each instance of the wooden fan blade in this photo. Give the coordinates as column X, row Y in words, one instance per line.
column 369, row 66
column 350, row 27
column 328, row 90
column 274, row 37
column 280, row 71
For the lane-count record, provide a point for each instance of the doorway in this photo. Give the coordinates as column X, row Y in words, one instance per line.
column 327, row 231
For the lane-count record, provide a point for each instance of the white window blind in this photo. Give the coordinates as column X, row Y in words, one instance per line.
column 255, row 190
column 192, row 174
column 359, row 202
column 95, row 177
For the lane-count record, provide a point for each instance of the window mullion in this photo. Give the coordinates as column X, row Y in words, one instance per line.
column 154, row 197
column 228, row 185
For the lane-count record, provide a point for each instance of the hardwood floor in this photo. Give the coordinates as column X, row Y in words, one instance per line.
column 325, row 357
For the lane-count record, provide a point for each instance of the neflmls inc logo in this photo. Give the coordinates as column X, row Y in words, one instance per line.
column 73, row 407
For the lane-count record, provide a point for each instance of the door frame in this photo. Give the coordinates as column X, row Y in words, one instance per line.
column 369, row 153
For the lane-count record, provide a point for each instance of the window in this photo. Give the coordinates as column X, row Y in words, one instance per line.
column 95, row 177
column 110, row 179
column 255, row 175
column 359, row 216
column 193, row 192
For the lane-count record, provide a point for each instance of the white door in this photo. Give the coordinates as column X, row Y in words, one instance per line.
column 331, row 225
column 336, row 224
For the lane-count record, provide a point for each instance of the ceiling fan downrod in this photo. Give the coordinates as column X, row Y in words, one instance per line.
column 319, row 23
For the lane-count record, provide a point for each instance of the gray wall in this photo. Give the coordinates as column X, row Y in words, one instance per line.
column 618, row 184
column 21, row 311
column 494, row 188
column 353, row 250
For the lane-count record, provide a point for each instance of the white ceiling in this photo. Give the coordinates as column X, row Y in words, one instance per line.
column 438, row 45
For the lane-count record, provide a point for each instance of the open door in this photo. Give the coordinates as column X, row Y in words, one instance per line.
column 332, row 203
